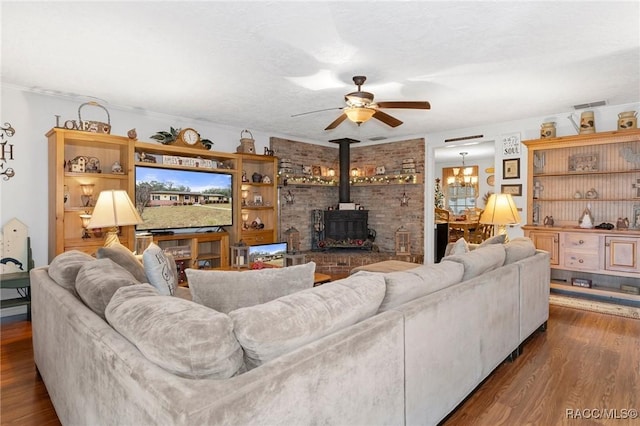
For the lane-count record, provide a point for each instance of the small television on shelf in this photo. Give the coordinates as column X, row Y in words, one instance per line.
column 171, row 199
column 270, row 255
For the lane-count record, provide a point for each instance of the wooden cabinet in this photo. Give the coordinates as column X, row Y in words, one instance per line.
column 547, row 241
column 568, row 174
column 622, row 254
column 258, row 202
column 77, row 159
column 207, row 250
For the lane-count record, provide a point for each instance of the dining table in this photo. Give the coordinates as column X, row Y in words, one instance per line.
column 466, row 226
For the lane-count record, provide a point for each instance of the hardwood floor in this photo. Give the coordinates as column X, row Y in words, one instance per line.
column 23, row 397
column 584, row 362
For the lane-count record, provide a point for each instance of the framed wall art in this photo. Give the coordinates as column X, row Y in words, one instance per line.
column 514, row 190
column 511, row 168
column 511, row 144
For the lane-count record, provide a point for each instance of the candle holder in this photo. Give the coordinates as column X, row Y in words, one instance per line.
column 87, row 194
column 85, row 218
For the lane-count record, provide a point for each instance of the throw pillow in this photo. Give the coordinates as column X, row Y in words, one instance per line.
column 518, row 249
column 480, row 260
column 98, row 280
column 403, row 286
column 226, row 291
column 184, row 338
column 65, row 266
column 125, row 258
column 459, row 247
column 496, row 239
column 272, row 329
column 161, row 272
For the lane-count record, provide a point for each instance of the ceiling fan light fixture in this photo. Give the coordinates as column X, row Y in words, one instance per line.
column 359, row 115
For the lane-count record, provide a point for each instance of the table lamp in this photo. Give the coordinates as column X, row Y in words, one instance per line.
column 500, row 211
column 113, row 209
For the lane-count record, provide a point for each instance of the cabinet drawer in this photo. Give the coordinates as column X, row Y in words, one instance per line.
column 584, row 261
column 581, row 241
column 258, row 237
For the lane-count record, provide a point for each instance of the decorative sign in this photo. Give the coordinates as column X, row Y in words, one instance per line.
column 6, row 153
column 511, row 144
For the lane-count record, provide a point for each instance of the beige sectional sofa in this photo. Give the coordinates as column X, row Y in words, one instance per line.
column 403, row 347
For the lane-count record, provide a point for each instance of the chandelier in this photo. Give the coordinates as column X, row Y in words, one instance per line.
column 462, row 176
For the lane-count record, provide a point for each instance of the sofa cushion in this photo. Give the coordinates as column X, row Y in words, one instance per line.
column 480, row 260
column 518, row 249
column 97, row 281
column 125, row 258
column 496, row 239
column 271, row 329
column 160, row 270
column 182, row 337
column 404, row 286
column 65, row 266
column 459, row 247
column 226, row 291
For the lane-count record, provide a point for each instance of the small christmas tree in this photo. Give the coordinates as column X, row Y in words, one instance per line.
column 439, row 195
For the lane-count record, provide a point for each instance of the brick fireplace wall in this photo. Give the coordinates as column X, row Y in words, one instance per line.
column 383, row 201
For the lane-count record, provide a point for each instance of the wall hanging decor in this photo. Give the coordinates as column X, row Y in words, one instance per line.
column 6, row 131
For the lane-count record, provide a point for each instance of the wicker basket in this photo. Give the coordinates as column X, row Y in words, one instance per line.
column 95, row 126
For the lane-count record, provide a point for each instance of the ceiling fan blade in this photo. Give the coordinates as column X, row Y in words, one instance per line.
column 406, row 105
column 337, row 122
column 387, row 119
column 318, row 110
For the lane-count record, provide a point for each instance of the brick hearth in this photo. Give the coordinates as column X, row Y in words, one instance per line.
column 338, row 263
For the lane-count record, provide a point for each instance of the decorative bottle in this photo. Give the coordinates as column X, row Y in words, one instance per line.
column 586, row 219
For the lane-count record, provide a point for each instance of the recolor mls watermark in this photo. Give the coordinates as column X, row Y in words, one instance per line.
column 601, row 413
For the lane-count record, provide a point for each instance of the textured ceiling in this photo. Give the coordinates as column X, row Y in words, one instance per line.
column 254, row 64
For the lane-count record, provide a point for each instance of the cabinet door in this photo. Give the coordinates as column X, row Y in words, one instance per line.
column 622, row 254
column 547, row 241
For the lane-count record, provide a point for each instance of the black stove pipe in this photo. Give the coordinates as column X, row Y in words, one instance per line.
column 345, row 164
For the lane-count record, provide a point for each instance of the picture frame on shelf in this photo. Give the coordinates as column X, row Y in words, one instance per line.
column 583, row 163
column 257, row 200
column 514, row 189
column 369, row 170
column 511, row 168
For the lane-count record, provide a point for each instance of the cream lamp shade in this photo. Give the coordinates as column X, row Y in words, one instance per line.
column 113, row 209
column 501, row 211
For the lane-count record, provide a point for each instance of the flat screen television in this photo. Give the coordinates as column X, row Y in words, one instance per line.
column 272, row 255
column 170, row 199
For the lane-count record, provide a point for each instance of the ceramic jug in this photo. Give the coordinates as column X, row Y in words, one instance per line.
column 548, row 130
column 627, row 120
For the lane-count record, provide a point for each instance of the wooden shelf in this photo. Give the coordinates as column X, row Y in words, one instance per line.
column 596, row 291
column 590, row 173
column 588, row 200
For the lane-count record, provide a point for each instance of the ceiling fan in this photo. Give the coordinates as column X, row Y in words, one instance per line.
column 361, row 107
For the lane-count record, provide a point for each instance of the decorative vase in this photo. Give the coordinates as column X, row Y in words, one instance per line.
column 256, row 177
column 627, row 120
column 548, row 130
